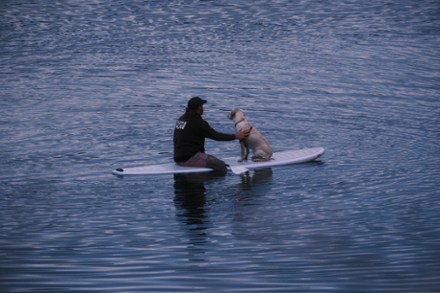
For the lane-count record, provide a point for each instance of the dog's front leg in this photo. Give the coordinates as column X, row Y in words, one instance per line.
column 244, row 150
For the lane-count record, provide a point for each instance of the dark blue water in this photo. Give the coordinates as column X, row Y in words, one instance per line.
column 89, row 86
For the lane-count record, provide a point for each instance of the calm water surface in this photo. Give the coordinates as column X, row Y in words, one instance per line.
column 89, row 86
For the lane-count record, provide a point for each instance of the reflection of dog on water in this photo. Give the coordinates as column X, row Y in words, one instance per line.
column 258, row 177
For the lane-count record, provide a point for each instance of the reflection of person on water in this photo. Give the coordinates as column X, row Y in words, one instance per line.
column 192, row 205
column 190, row 194
column 190, row 197
column 189, row 138
column 190, row 201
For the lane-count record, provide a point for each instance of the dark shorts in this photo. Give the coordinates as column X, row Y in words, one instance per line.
column 204, row 160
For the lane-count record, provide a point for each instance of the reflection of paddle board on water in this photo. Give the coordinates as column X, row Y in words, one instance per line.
column 278, row 159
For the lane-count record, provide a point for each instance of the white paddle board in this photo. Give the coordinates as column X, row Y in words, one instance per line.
column 278, row 159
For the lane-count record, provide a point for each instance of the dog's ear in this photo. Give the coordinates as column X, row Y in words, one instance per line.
column 232, row 114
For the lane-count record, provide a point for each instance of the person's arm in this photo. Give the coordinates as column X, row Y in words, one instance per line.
column 215, row 135
column 211, row 133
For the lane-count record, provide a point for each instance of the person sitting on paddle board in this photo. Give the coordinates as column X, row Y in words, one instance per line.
column 189, row 138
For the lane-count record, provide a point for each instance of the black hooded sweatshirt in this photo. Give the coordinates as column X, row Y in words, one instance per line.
column 190, row 133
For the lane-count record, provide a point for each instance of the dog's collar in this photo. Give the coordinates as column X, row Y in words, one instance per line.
column 239, row 121
column 244, row 139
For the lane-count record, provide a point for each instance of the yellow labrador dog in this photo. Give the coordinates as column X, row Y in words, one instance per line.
column 261, row 150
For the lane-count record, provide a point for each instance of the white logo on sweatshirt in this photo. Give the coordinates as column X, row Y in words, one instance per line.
column 180, row 124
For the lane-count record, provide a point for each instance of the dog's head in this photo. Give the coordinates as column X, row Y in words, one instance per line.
column 236, row 115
